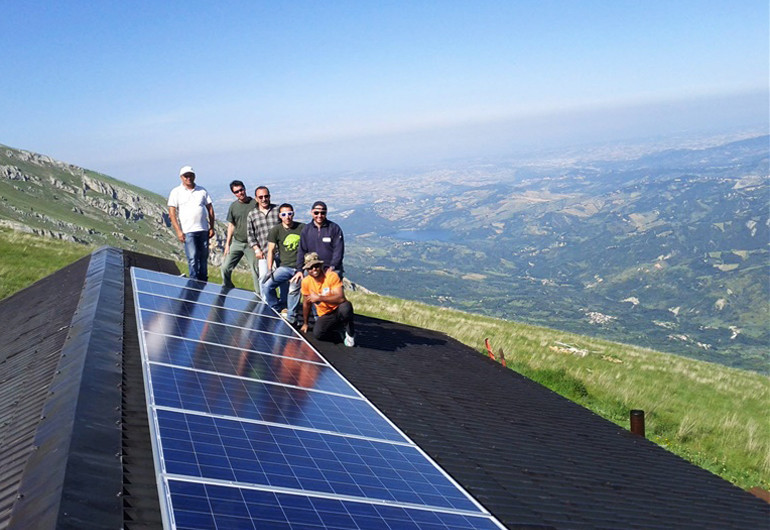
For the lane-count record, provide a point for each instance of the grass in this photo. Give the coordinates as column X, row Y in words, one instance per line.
column 714, row 416
column 27, row 258
column 711, row 415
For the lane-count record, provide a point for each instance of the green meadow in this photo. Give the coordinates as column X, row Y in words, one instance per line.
column 711, row 415
column 27, row 258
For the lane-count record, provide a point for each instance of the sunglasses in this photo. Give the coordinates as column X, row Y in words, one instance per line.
column 239, row 191
column 286, row 214
column 316, row 266
column 263, row 196
column 319, row 212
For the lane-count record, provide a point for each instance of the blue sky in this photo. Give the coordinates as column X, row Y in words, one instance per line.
column 251, row 89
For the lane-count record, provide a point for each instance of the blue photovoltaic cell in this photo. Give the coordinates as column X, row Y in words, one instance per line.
column 206, row 506
column 296, row 364
column 279, row 457
column 237, row 396
column 214, row 332
column 241, row 398
column 182, row 301
column 232, row 298
column 192, row 289
column 254, row 313
column 167, row 281
column 166, row 330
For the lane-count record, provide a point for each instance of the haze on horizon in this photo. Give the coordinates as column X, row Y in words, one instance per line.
column 252, row 89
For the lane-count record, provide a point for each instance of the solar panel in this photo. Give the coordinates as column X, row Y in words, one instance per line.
column 252, row 428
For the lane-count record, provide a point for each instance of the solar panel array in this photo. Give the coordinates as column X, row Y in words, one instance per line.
column 252, row 428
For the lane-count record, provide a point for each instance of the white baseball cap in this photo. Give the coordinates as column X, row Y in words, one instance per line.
column 186, row 169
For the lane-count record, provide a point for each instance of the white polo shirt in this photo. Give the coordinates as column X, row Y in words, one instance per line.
column 191, row 207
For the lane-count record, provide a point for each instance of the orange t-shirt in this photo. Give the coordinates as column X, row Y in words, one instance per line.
column 311, row 285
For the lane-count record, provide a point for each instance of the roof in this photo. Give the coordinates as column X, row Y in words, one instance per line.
column 530, row 456
column 75, row 448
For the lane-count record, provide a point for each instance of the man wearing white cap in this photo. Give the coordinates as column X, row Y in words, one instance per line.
column 192, row 216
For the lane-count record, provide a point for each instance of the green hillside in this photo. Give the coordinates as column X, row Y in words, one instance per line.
column 46, row 197
column 712, row 415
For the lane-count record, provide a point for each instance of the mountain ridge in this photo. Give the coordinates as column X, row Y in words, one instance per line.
column 55, row 199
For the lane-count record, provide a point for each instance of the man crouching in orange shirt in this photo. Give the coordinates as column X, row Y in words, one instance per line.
column 335, row 312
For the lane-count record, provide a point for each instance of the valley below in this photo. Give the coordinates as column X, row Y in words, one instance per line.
column 668, row 250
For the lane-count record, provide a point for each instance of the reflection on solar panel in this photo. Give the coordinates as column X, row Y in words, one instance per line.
column 252, row 428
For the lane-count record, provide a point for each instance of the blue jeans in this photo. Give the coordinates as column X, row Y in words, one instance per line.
column 289, row 291
column 196, row 247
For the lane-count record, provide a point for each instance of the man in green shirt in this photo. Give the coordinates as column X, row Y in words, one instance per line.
column 236, row 244
column 284, row 238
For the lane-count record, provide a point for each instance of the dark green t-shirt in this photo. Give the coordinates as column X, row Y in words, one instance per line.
column 237, row 215
column 286, row 242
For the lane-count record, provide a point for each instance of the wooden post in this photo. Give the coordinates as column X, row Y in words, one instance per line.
column 637, row 422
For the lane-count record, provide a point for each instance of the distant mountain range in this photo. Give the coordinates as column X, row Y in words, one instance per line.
column 668, row 250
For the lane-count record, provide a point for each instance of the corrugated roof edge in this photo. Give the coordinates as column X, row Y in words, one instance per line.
column 36, row 322
column 84, row 400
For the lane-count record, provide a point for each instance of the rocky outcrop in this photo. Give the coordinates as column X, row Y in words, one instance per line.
column 114, row 209
column 43, row 161
column 14, row 173
column 42, row 232
column 61, row 185
column 124, row 203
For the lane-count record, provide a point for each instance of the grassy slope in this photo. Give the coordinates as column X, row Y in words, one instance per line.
column 27, row 258
column 714, row 416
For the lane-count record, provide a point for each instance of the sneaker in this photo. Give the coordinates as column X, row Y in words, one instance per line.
column 289, row 319
column 285, row 314
column 350, row 340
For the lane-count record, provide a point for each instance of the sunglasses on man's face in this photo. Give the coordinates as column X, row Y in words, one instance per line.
column 319, row 212
column 286, row 214
column 239, row 191
column 316, row 266
column 263, row 196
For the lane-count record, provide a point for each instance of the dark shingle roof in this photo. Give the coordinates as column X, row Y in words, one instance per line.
column 532, row 457
column 75, row 448
column 35, row 324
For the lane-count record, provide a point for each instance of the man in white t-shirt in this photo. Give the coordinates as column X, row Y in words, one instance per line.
column 192, row 216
